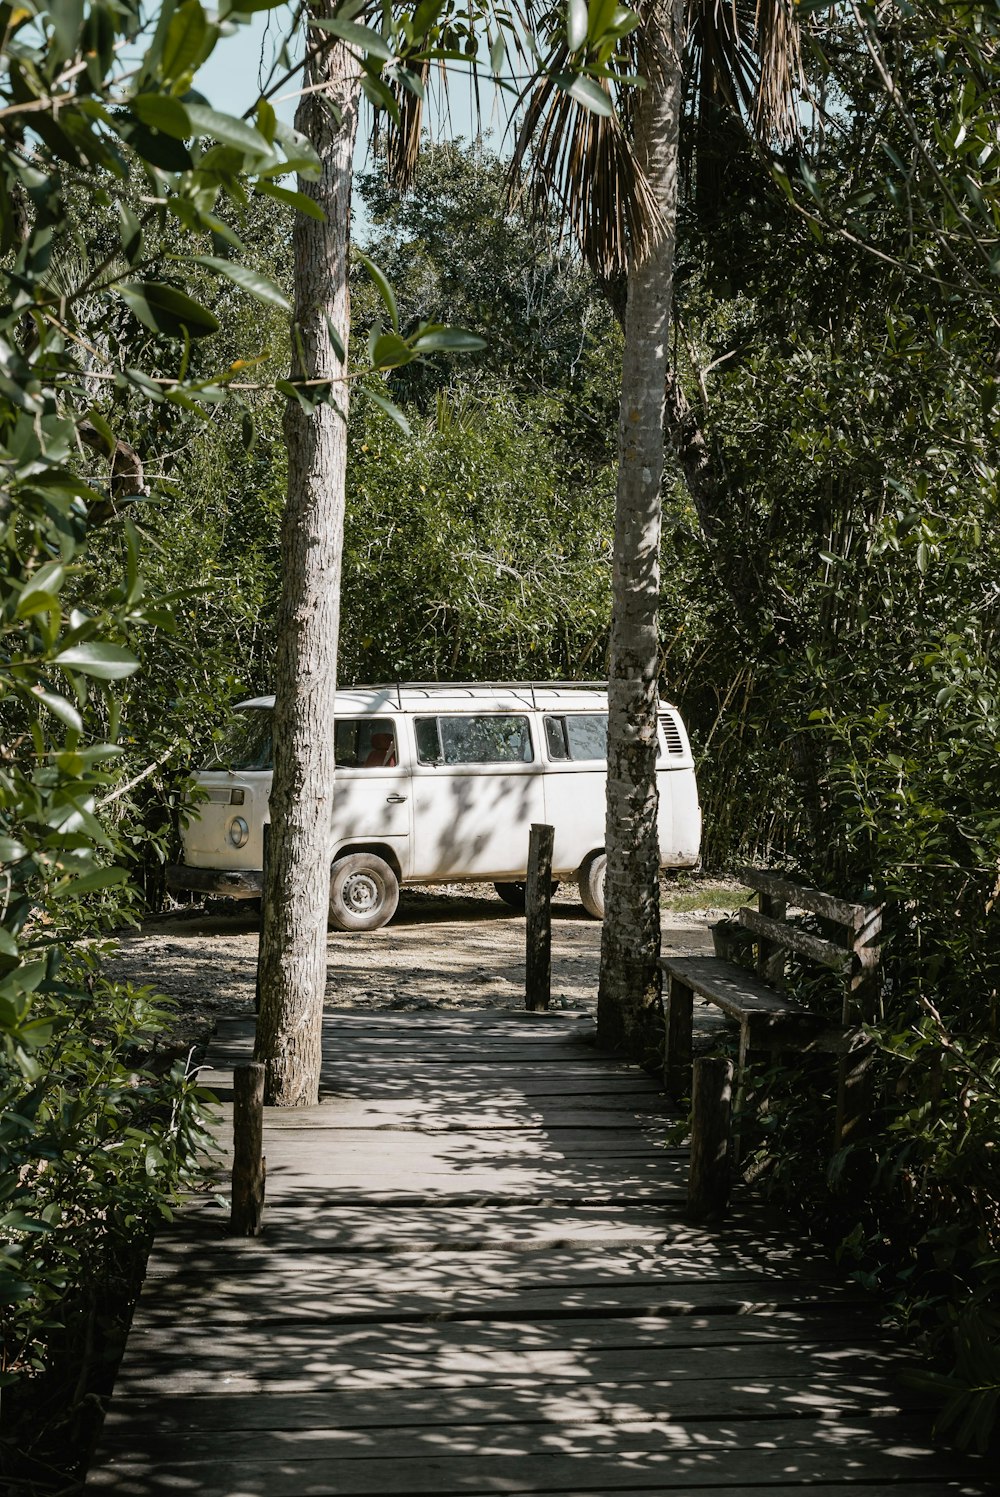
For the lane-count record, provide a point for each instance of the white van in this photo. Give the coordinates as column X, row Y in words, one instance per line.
column 440, row 784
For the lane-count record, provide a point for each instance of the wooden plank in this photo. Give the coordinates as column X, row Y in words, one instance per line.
column 744, row 1364
column 225, row 1055
column 841, row 1440
column 128, row 1481
column 370, row 1348
column 643, row 1140
column 613, row 1111
column 323, row 1299
column 733, row 989
column 596, row 1466
column 143, row 1416
column 444, row 1090
column 515, row 1228
column 804, row 897
column 463, row 1274
column 827, row 953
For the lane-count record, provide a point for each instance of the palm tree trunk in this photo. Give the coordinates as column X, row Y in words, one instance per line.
column 629, row 1012
column 293, row 939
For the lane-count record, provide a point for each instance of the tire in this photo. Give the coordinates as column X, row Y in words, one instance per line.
column 590, row 881
column 513, row 894
column 364, row 892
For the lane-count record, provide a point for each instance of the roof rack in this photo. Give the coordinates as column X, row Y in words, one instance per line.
column 512, row 686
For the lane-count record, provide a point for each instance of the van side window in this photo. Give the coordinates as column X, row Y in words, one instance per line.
column 577, row 736
column 364, row 743
column 487, row 739
column 428, row 741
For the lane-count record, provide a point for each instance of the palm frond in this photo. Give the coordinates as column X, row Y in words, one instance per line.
column 584, row 162
column 402, row 136
column 747, row 57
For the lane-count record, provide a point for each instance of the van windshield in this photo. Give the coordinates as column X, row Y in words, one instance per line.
column 247, row 741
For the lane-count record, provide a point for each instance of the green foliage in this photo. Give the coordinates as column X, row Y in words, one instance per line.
column 103, row 301
column 837, row 646
column 468, row 555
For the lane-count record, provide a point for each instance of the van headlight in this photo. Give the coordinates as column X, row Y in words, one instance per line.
column 239, row 832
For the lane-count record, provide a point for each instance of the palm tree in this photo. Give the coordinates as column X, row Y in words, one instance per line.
column 622, row 205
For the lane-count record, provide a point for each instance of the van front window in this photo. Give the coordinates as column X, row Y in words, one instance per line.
column 364, row 743
column 247, row 741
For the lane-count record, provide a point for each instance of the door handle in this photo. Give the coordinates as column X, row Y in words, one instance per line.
column 394, row 800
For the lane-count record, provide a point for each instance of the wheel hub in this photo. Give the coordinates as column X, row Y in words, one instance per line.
column 362, row 893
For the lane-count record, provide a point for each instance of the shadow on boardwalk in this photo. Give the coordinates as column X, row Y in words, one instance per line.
column 476, row 1278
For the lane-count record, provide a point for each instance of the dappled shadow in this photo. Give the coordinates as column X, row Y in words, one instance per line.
column 476, row 1277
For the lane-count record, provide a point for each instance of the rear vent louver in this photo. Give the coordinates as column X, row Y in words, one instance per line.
column 671, row 732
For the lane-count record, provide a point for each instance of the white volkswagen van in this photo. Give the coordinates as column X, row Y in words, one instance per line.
column 439, row 783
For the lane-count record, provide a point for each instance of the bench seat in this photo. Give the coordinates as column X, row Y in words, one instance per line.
column 767, row 1020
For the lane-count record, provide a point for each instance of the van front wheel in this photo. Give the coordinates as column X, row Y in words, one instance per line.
column 590, row 881
column 364, row 892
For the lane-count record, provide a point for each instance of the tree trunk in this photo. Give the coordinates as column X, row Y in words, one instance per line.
column 293, row 939
column 629, row 1012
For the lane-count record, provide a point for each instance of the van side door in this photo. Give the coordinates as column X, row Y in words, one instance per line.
column 477, row 787
column 371, row 801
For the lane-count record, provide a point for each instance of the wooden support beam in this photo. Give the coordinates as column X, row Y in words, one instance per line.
column 771, row 953
column 861, row 1005
column 711, row 1128
column 249, row 1167
column 825, row 952
column 538, row 926
column 265, row 857
column 843, row 911
column 679, row 1025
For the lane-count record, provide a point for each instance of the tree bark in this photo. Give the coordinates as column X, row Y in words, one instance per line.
column 630, row 1014
column 293, row 938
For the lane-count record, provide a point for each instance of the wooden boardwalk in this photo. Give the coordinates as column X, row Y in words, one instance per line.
column 476, row 1278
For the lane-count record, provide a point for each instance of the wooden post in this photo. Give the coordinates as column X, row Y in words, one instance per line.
column 711, row 1124
column 770, row 956
column 248, row 1145
column 538, row 928
column 265, row 857
column 679, row 1022
column 854, row 1088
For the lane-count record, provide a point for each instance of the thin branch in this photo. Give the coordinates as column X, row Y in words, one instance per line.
column 138, row 779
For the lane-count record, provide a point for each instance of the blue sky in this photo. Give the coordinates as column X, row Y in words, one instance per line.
column 231, row 81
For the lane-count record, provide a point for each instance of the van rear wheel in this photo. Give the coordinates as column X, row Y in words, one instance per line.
column 590, row 881
column 513, row 894
column 364, row 892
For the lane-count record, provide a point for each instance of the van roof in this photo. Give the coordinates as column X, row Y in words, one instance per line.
column 411, row 696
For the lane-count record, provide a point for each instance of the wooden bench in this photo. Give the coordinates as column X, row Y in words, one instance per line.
column 770, row 1021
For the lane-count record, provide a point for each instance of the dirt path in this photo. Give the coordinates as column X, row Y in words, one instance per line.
column 454, row 947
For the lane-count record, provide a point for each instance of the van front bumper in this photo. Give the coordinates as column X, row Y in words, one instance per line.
column 244, row 883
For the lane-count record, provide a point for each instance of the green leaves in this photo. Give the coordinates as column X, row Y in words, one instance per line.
column 588, row 92
column 189, row 41
column 436, row 338
column 248, row 280
column 384, row 289
column 164, row 309
column 577, row 21
column 105, row 661
column 370, row 42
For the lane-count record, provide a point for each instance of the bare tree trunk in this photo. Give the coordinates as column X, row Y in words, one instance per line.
column 629, row 1011
column 293, row 940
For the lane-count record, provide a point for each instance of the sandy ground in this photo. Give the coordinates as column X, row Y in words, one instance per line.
column 449, row 947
